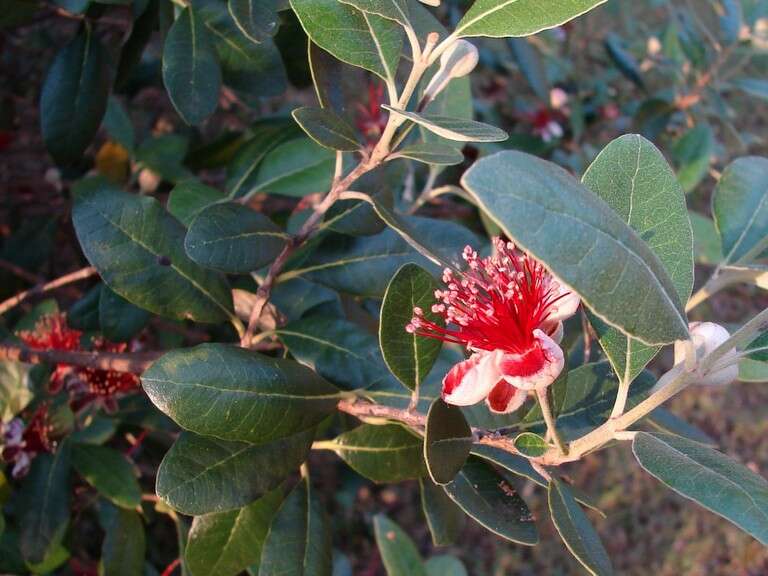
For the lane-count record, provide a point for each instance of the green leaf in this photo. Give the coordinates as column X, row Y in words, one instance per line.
column 295, row 168
column 753, row 370
column 189, row 197
column 386, row 453
column 336, row 349
column 493, row 503
column 444, row 519
column 510, row 462
column 632, row 177
column 530, row 445
column 692, row 154
column 706, row 242
column 233, row 238
column 299, row 539
column 624, row 59
column 707, row 477
column 74, row 96
column 165, row 155
column 665, row 421
column 447, row 441
column 431, row 153
column 398, row 552
column 124, row 546
column 236, row 394
column 256, row 19
column 396, row 10
column 15, row 392
column 242, row 172
column 226, row 543
column 408, row 356
column 756, row 87
column 542, row 208
column 43, row 503
column 298, row 297
column 109, row 472
column 118, row 124
column 458, row 129
column 500, row 18
column 576, row 530
column 740, row 209
column 531, row 65
column 445, row 566
column 358, row 38
column 144, row 25
column 201, row 475
column 191, row 72
column 55, row 558
column 326, row 128
column 119, row 320
column 139, row 252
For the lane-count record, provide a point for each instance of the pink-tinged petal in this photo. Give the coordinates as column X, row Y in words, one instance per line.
column 505, row 398
column 470, row 381
column 706, row 337
column 566, row 304
column 556, row 332
column 535, row 369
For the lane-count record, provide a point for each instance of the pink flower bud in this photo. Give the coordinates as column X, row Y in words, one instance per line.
column 706, row 337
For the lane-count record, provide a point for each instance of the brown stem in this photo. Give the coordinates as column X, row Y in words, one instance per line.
column 76, row 276
column 134, row 363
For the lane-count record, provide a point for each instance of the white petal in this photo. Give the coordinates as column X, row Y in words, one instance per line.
column 470, row 381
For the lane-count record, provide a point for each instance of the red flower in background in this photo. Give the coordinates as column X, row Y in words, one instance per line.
column 22, row 443
column 508, row 311
column 85, row 385
column 372, row 119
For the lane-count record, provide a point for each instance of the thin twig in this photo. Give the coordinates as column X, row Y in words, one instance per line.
column 133, row 363
column 81, row 274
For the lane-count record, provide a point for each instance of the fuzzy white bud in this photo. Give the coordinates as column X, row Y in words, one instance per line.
column 457, row 61
column 707, row 336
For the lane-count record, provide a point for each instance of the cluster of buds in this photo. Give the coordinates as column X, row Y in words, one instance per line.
column 507, row 310
column 85, row 386
column 21, row 443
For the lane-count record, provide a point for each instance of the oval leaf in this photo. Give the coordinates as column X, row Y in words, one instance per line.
column 124, row 545
column 326, row 128
column 398, row 552
column 431, row 153
column 530, row 444
column 576, row 530
column 138, row 250
column 201, row 475
column 447, row 441
column 235, row 394
column 458, row 129
column 109, row 472
column 74, row 96
column 191, row 72
column 387, row 453
column 295, row 168
column 299, row 539
column 256, row 19
column 493, row 503
column 444, row 519
column 233, row 238
column 408, row 356
column 543, row 208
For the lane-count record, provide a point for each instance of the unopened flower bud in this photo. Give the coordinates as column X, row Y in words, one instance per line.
column 707, row 336
column 433, row 3
column 457, row 61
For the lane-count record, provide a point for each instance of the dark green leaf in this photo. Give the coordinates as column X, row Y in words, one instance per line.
column 458, row 129
column 387, row 453
column 109, row 472
column 541, row 207
column 189, row 197
column 692, row 153
column 530, row 444
column 408, row 356
column 233, row 238
column 707, row 477
column 445, row 566
column 336, row 349
column 119, row 319
column 326, row 128
column 299, row 540
column 118, row 124
column 740, row 209
column 633, row 178
column 706, row 242
column 444, row 519
column 74, row 96
column 201, row 475
column 191, row 72
column 236, row 394
column 297, row 297
column 226, row 543
column 624, row 60
column 431, row 153
column 398, row 552
column 396, row 10
column 531, row 66
column 499, row 18
column 576, row 530
column 139, row 253
column 165, row 156
column 493, row 503
column 756, row 87
column 358, row 38
column 133, row 48
column 512, row 463
column 44, row 504
column 447, row 441
column 256, row 19
column 124, row 546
